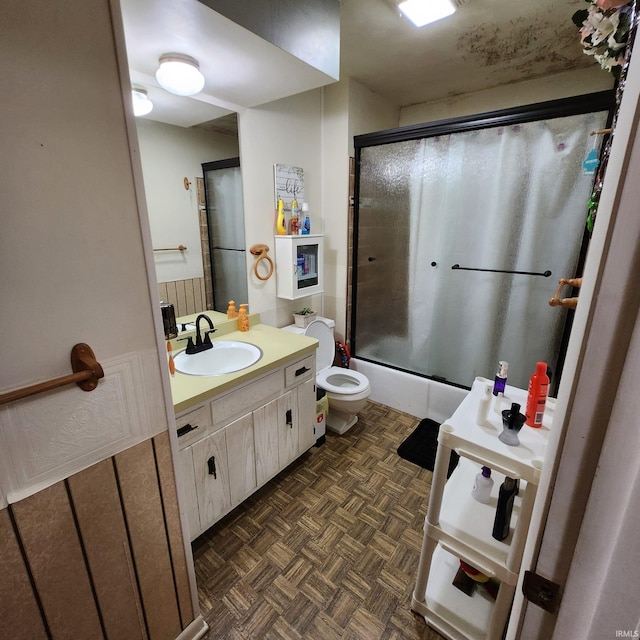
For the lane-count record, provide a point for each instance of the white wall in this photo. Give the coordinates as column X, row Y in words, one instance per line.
column 71, row 253
column 562, row 85
column 287, row 132
column 349, row 109
column 169, row 154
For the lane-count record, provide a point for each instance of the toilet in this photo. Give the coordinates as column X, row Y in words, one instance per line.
column 347, row 390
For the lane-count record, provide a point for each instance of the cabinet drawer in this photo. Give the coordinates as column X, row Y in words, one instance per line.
column 192, row 424
column 299, row 372
column 244, row 399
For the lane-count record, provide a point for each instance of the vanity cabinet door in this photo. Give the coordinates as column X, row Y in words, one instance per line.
column 306, row 416
column 187, row 473
column 212, row 477
column 241, row 458
column 265, row 428
column 288, row 436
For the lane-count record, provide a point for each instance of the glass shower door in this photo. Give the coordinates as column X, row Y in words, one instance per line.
column 225, row 217
column 461, row 240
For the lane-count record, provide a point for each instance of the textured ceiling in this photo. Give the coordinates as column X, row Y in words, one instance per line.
column 486, row 43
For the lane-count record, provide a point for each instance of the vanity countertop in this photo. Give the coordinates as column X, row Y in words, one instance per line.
column 277, row 347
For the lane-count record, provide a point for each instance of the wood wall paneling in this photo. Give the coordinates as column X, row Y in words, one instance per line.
column 47, row 529
column 186, row 296
column 169, row 494
column 19, row 611
column 95, row 497
column 140, row 493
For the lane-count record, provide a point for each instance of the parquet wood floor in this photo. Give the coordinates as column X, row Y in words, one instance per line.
column 328, row 549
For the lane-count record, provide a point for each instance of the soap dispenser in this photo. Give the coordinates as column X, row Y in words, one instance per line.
column 243, row 318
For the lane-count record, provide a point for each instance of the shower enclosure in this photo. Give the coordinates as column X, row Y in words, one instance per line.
column 462, row 230
column 225, row 221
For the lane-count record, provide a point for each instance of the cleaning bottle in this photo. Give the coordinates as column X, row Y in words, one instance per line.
column 537, row 397
column 243, row 318
column 482, row 486
column 281, row 227
column 306, row 225
column 232, row 312
column 502, row 520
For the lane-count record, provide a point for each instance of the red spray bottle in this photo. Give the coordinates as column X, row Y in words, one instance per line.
column 537, row 398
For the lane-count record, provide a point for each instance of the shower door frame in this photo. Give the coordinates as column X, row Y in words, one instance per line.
column 562, row 107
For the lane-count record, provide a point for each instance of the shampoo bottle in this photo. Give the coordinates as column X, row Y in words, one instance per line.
column 482, row 486
column 502, row 521
column 537, row 397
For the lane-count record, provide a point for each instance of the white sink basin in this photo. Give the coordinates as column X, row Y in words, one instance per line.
column 227, row 356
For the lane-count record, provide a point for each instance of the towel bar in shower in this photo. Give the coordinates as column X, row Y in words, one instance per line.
column 86, row 373
column 544, row 274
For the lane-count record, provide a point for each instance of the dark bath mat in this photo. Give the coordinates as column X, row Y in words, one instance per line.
column 421, row 445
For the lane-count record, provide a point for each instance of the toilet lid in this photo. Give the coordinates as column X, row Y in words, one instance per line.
column 327, row 348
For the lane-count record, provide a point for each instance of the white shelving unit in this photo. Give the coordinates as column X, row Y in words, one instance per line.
column 299, row 264
column 457, row 527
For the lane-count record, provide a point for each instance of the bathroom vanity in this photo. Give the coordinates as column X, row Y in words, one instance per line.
column 237, row 431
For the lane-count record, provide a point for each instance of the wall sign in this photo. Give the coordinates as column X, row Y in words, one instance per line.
column 289, row 184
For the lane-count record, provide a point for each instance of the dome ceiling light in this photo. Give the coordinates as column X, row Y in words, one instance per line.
column 141, row 103
column 422, row 12
column 180, row 74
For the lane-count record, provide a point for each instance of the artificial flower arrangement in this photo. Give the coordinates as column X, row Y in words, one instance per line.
column 604, row 31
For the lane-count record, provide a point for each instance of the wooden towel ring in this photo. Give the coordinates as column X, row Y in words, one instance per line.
column 569, row 303
column 261, row 251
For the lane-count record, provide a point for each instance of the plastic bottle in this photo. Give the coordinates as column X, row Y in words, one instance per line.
column 482, row 486
column 483, row 405
column 243, row 318
column 499, row 384
column 502, row 520
column 500, row 381
column 306, row 225
column 537, row 397
column 281, row 227
column 295, row 219
column 232, row 312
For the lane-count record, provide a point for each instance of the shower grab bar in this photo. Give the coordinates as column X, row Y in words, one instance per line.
column 545, row 274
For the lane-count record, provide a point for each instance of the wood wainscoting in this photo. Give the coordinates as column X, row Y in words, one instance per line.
column 99, row 554
column 186, row 296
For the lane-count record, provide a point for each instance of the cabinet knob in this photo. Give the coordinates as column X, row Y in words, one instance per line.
column 301, row 371
column 211, row 463
column 289, row 418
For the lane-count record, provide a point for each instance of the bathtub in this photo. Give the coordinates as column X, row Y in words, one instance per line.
column 411, row 394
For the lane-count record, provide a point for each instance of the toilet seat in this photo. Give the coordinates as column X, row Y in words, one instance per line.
column 342, row 382
column 353, row 382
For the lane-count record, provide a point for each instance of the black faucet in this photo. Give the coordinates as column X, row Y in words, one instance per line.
column 202, row 343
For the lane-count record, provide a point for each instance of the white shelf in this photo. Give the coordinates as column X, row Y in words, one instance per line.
column 481, row 442
column 452, row 612
column 466, row 525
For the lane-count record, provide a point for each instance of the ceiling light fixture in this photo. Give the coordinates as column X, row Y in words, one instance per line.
column 422, row 12
column 180, row 74
column 141, row 103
